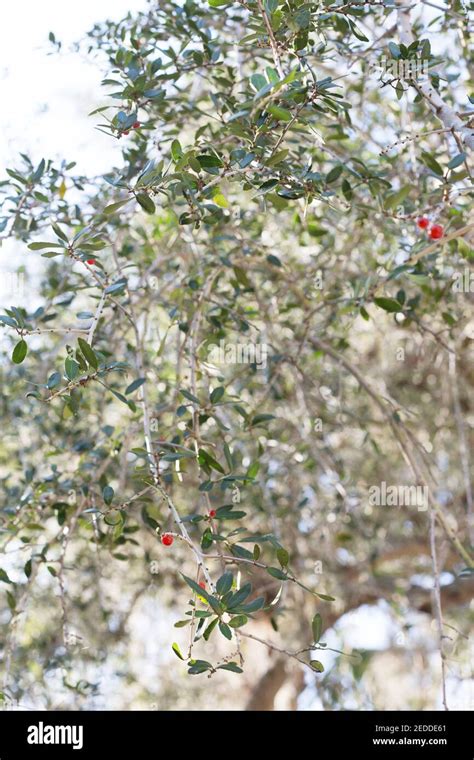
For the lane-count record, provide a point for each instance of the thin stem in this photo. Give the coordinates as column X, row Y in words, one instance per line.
column 273, row 42
column 438, row 609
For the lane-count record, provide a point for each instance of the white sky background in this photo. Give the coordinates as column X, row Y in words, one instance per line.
column 46, row 98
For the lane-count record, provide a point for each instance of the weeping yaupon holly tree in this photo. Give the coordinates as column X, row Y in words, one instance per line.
column 197, row 386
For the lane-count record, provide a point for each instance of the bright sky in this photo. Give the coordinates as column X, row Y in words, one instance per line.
column 45, row 98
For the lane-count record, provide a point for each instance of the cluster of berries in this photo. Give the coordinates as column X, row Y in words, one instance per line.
column 135, row 125
column 435, row 231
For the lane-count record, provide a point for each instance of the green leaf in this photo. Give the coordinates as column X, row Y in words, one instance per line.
column 259, row 418
column 232, row 666
column 177, row 650
column 283, row 557
column 253, row 470
column 448, row 318
column 239, row 596
column 115, row 518
column 53, row 380
column 225, row 630
column 253, row 606
column 210, row 628
column 224, row 584
column 227, row 513
column 209, row 161
column 189, row 396
column 317, row 626
column 242, row 277
column 346, row 190
column 430, row 161
column 239, row 551
column 116, row 287
column 457, row 161
column 61, row 235
column 115, row 206
column 277, row 573
column 18, row 316
column 198, row 666
column 175, row 456
column 282, row 114
column 71, row 368
column 134, row 385
column 325, row 597
column 40, row 246
column 122, row 398
column 108, row 494
column 176, row 150
column 388, row 304
column 274, row 260
column 217, row 394
column 19, row 352
column 394, row 50
column 334, row 174
column 395, row 199
column 238, row 621
column 220, row 200
column 317, row 666
column 206, row 539
column 258, row 81
column 206, row 459
column 146, row 203
column 88, row 353
column 357, row 32
column 4, row 577
column 11, row 601
column 39, row 171
column 8, row 321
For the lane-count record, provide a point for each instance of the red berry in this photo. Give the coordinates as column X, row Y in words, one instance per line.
column 91, row 261
column 212, row 513
column 127, row 132
column 136, row 125
column 436, row 232
column 423, row 222
column 202, row 584
column 167, row 539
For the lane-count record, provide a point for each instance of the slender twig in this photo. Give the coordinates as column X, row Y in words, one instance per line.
column 95, row 321
column 438, row 609
column 463, row 446
column 273, row 42
column 184, row 534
